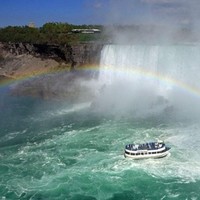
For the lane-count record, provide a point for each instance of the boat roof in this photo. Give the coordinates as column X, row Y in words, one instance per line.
column 145, row 146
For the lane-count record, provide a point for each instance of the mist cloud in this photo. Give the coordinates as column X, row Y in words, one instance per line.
column 153, row 12
column 171, row 20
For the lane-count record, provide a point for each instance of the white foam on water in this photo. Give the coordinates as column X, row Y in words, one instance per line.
column 12, row 135
column 183, row 162
column 100, row 167
column 73, row 108
column 64, row 110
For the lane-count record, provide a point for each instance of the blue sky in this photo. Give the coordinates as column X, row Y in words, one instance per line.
column 21, row 12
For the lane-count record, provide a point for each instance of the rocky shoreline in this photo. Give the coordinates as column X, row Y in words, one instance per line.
column 18, row 60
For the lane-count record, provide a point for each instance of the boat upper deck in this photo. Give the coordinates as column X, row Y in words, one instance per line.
column 145, row 146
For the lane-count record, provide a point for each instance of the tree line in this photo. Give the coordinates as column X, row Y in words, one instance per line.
column 49, row 33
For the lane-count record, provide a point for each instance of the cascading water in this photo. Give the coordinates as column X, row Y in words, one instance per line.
column 144, row 77
column 126, row 58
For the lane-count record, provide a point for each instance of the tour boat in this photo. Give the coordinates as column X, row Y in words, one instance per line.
column 146, row 150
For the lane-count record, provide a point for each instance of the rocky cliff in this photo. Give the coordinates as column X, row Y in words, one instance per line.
column 21, row 60
column 16, row 58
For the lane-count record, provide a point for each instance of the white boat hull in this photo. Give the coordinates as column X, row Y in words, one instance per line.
column 144, row 156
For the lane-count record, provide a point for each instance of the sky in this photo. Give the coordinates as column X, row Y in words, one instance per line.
column 173, row 12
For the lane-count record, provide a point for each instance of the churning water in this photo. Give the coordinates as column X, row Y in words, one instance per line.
column 55, row 150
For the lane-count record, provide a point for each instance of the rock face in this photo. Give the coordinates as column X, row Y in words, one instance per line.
column 83, row 54
column 70, row 55
column 20, row 60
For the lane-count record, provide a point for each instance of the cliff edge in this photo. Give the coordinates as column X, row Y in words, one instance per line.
column 19, row 60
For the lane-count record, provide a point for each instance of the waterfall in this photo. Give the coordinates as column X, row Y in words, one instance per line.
column 126, row 58
column 140, row 78
column 178, row 62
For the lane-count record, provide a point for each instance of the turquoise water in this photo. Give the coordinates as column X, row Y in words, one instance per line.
column 53, row 150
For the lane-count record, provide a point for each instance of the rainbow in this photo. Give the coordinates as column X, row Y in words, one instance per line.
column 27, row 76
column 168, row 80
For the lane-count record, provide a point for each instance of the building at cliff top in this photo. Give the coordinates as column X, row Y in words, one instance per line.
column 86, row 31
